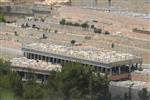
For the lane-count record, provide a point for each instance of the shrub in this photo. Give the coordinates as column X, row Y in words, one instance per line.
column 62, row 22
column 73, row 42
column 85, row 25
column 76, row 24
column 97, row 30
column 107, row 33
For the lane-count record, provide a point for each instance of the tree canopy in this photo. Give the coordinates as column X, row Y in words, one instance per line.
column 74, row 82
column 2, row 18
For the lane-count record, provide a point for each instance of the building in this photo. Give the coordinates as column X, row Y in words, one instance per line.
column 30, row 69
column 117, row 66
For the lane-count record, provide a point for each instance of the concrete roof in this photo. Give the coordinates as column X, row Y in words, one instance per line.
column 87, row 53
column 25, row 63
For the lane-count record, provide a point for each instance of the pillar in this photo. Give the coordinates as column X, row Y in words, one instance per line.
column 49, row 59
column 29, row 55
column 97, row 68
column 56, row 60
column 24, row 54
column 140, row 66
column 130, row 67
column 119, row 69
column 25, row 76
column 110, row 71
column 101, row 69
column 136, row 65
column 53, row 60
column 34, row 56
column 38, row 57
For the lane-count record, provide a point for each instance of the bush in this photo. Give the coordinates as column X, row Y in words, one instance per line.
column 97, row 30
column 85, row 25
column 73, row 42
column 69, row 23
column 76, row 24
column 107, row 33
column 62, row 22
column 92, row 26
column 56, row 31
column 2, row 18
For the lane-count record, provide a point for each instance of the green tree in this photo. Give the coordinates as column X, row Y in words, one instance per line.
column 143, row 94
column 107, row 33
column 63, row 22
column 2, row 18
column 55, row 31
column 33, row 91
column 73, row 42
column 76, row 24
column 10, row 80
column 85, row 25
column 78, row 82
column 4, row 67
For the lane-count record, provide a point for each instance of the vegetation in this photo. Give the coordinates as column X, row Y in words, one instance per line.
column 56, row 31
column 78, row 83
column 74, row 82
column 96, row 30
column 44, row 36
column 73, row 42
column 112, row 45
column 2, row 18
column 83, row 25
column 107, row 33
column 62, row 22
column 143, row 94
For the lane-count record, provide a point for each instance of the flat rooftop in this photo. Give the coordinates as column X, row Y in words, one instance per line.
column 82, row 52
column 23, row 62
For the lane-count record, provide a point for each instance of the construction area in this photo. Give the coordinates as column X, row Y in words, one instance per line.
column 36, row 37
column 117, row 65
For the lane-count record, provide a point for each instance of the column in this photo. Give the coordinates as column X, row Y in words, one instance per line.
column 110, row 71
column 34, row 56
column 119, row 70
column 24, row 54
column 97, row 68
column 44, row 78
column 25, row 76
column 60, row 61
column 130, row 67
column 56, row 60
column 38, row 57
column 53, row 60
column 140, row 66
column 136, row 65
column 102, row 69
column 48, row 59
column 29, row 55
